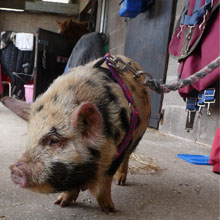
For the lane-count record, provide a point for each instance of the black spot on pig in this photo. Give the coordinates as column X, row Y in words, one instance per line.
column 99, row 62
column 65, row 177
column 106, row 74
column 55, row 98
column 117, row 135
column 103, row 106
column 107, row 122
column 53, row 130
column 124, row 119
column 95, row 153
column 91, row 83
column 145, row 93
column 40, row 108
column 133, row 89
column 109, row 95
column 138, row 122
column 107, row 79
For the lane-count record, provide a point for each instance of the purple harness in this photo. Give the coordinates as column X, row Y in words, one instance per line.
column 134, row 114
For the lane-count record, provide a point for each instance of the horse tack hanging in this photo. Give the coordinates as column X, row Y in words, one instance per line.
column 191, row 26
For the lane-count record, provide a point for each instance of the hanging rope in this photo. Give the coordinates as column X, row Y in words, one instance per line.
column 119, row 65
column 166, row 88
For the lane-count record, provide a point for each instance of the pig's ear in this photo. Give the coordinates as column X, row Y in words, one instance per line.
column 20, row 108
column 88, row 119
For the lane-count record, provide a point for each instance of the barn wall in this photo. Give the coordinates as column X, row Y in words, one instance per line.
column 28, row 21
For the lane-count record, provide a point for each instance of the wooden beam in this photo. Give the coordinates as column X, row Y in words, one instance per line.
column 52, row 7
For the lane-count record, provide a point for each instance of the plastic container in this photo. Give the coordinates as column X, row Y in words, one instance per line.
column 29, row 93
column 130, row 8
column 195, row 159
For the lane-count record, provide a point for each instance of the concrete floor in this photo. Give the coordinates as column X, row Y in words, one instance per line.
column 159, row 185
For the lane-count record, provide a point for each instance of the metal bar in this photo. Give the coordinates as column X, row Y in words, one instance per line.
column 102, row 16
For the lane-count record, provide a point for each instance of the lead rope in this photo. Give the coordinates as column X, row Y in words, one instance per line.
column 156, row 85
column 166, row 88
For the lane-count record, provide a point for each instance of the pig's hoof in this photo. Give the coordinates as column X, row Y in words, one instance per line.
column 108, row 209
column 62, row 202
column 105, row 203
column 120, row 178
column 66, row 198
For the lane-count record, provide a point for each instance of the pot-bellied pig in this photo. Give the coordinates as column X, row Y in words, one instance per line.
column 75, row 130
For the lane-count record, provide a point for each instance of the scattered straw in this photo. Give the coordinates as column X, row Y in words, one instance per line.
column 143, row 165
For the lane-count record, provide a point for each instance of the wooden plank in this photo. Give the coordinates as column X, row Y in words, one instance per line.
column 147, row 38
column 15, row 4
column 52, row 7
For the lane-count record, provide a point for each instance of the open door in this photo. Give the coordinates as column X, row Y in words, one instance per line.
column 52, row 53
column 147, row 39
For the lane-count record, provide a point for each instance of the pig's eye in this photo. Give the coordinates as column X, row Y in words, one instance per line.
column 52, row 141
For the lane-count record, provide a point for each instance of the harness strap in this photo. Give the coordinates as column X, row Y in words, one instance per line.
column 134, row 114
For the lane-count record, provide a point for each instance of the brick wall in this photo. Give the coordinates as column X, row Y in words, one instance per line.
column 116, row 28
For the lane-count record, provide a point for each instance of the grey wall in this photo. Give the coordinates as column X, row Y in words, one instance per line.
column 116, row 28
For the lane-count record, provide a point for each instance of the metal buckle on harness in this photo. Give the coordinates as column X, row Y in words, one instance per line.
column 189, row 35
column 181, row 30
column 209, row 98
column 189, row 38
column 116, row 61
column 203, row 21
column 200, row 103
column 191, row 108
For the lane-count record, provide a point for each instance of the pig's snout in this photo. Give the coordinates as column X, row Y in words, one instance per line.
column 19, row 174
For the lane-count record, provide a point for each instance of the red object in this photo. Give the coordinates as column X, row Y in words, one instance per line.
column 0, row 80
column 215, row 153
column 3, row 77
column 198, row 49
column 207, row 50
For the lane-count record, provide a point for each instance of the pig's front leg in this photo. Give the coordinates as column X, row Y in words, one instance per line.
column 121, row 174
column 66, row 198
column 103, row 195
